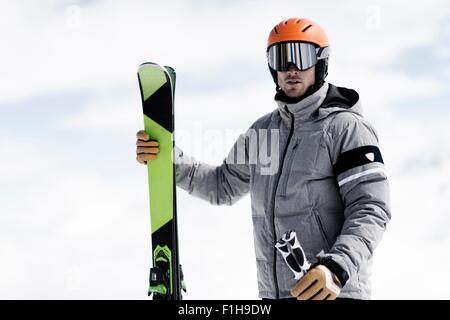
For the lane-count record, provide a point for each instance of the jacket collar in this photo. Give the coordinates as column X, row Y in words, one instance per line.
column 305, row 108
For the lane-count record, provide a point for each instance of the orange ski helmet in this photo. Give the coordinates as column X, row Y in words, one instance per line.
column 301, row 42
column 298, row 29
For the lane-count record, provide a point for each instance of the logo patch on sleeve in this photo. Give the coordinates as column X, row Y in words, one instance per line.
column 370, row 156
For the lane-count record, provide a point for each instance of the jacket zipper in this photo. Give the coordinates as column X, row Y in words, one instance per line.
column 273, row 201
column 288, row 167
column 321, row 229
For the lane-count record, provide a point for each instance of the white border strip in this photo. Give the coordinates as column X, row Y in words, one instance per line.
column 359, row 175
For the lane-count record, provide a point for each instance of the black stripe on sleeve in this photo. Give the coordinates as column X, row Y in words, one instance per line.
column 357, row 157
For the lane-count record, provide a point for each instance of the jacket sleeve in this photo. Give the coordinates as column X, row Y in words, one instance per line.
column 363, row 186
column 223, row 184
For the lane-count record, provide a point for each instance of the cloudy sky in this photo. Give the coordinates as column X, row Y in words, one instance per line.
column 74, row 213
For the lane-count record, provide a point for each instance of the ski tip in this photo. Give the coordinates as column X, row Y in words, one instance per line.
column 147, row 64
column 170, row 68
column 144, row 63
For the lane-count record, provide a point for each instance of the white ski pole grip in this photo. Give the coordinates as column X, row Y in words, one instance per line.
column 292, row 252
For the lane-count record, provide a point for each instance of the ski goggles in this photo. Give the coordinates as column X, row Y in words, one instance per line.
column 301, row 54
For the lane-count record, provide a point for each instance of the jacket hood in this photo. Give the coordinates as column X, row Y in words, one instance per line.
column 325, row 101
column 340, row 99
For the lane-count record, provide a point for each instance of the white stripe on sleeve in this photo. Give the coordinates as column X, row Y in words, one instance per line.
column 359, row 175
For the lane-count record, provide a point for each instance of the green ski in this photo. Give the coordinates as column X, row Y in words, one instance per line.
column 157, row 86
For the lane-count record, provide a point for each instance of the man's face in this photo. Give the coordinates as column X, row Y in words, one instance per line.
column 295, row 82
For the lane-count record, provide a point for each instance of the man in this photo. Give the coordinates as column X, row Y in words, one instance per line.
column 329, row 185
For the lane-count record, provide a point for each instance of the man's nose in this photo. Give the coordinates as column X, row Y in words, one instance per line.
column 292, row 67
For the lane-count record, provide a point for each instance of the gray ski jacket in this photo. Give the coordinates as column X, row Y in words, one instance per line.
column 313, row 167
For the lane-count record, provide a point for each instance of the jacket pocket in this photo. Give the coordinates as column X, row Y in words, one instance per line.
column 322, row 229
column 288, row 167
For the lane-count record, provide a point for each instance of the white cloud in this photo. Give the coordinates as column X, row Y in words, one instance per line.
column 116, row 113
column 112, row 39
